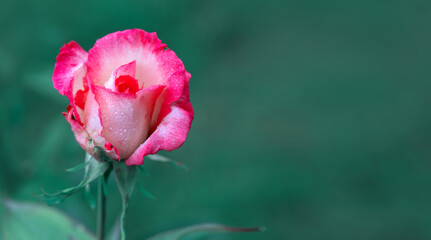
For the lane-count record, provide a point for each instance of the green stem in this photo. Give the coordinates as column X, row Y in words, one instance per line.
column 101, row 205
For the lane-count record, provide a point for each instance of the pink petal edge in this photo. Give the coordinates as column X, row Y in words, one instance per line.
column 69, row 71
column 171, row 132
column 71, row 58
column 122, row 47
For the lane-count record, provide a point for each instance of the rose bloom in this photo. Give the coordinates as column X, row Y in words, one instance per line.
column 128, row 95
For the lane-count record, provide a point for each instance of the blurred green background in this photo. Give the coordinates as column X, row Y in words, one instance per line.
column 312, row 117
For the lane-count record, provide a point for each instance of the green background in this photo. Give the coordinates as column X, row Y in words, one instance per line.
column 312, row 118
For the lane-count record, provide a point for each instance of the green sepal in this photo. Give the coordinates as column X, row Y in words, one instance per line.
column 89, row 197
column 146, row 193
column 24, row 221
column 160, row 158
column 93, row 170
column 126, row 181
column 196, row 231
column 78, row 167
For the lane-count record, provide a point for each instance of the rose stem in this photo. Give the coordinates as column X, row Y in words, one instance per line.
column 101, row 206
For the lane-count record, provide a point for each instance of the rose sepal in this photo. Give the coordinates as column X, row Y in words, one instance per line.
column 93, row 170
column 163, row 159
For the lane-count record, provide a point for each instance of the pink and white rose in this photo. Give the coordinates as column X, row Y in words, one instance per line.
column 128, row 95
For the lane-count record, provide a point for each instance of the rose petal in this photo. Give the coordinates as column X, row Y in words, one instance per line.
column 171, row 132
column 128, row 69
column 93, row 125
column 172, row 93
column 69, row 72
column 125, row 117
column 126, row 84
column 80, row 134
column 70, row 59
column 92, row 121
column 120, row 48
column 80, row 98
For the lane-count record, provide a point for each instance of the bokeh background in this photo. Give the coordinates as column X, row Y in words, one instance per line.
column 312, row 117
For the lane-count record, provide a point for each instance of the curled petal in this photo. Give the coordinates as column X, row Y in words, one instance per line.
column 170, row 133
column 69, row 72
column 126, row 84
column 172, row 93
column 125, row 117
column 69, row 61
column 128, row 69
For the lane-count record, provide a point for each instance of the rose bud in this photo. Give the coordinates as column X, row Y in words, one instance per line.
column 128, row 95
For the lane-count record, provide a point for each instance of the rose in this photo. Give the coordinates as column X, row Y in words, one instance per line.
column 128, row 95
